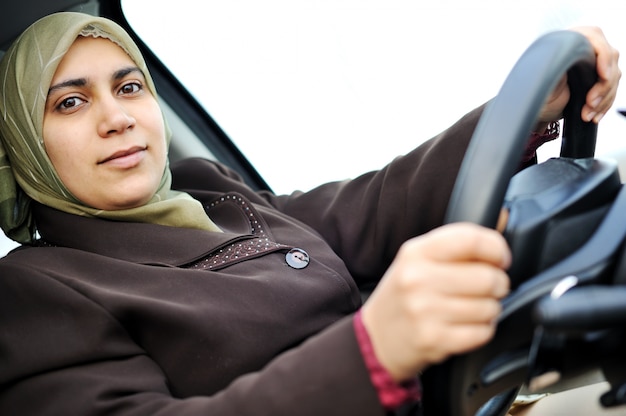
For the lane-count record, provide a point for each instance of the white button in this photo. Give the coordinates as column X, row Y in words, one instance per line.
column 297, row 258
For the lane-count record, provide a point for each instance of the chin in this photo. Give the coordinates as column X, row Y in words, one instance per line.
column 132, row 196
column 127, row 203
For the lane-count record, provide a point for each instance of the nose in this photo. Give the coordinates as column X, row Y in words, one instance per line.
column 114, row 117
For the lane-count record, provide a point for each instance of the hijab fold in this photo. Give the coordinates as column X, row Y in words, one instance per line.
column 26, row 172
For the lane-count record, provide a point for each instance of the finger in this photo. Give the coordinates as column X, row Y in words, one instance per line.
column 468, row 280
column 606, row 54
column 455, row 339
column 465, row 338
column 462, row 242
column 503, row 220
column 602, row 95
column 465, row 310
column 599, row 101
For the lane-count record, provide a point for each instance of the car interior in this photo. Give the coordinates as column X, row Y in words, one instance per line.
column 568, row 300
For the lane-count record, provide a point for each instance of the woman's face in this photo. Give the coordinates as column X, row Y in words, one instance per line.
column 103, row 130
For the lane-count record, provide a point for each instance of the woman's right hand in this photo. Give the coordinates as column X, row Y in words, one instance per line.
column 439, row 297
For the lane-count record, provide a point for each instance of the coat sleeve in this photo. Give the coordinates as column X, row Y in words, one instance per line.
column 366, row 219
column 61, row 353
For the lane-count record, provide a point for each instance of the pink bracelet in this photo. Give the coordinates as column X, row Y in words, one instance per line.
column 391, row 395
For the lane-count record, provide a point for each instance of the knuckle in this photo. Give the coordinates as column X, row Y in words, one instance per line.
column 420, row 307
column 492, row 282
column 406, row 278
column 492, row 310
column 485, row 333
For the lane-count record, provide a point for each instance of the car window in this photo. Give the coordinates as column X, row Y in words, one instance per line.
column 320, row 90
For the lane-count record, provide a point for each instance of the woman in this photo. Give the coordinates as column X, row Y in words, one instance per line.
column 214, row 299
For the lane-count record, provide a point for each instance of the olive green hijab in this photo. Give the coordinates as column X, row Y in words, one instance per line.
column 26, row 173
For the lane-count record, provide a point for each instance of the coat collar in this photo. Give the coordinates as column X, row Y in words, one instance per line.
column 135, row 242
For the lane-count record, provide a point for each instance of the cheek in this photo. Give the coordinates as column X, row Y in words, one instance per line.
column 56, row 144
column 155, row 122
column 64, row 152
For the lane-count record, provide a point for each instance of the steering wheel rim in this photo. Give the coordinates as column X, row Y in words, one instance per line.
column 499, row 139
column 491, row 160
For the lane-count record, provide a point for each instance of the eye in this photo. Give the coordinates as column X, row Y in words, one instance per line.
column 130, row 88
column 69, row 103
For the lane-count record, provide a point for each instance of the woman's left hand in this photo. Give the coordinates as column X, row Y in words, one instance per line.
column 601, row 96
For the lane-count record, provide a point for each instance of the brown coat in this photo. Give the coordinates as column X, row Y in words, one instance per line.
column 111, row 318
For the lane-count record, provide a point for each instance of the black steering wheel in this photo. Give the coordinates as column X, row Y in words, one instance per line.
column 546, row 322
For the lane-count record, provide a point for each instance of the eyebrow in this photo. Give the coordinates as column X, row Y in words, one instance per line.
column 81, row 82
column 78, row 82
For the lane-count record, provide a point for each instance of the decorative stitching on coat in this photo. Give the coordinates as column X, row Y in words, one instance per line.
column 240, row 250
column 237, row 252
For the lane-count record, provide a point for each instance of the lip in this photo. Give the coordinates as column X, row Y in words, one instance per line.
column 126, row 158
